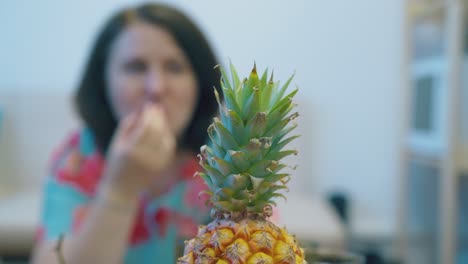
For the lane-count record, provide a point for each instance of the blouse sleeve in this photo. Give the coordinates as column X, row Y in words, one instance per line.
column 68, row 189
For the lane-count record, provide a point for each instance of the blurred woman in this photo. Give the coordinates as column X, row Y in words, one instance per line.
column 121, row 188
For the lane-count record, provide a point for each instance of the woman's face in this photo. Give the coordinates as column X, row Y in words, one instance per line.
column 146, row 65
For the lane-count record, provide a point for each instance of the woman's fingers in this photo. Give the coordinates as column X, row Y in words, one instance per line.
column 128, row 127
column 153, row 123
column 145, row 136
column 144, row 126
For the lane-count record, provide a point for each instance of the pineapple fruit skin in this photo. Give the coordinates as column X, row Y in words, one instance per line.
column 249, row 240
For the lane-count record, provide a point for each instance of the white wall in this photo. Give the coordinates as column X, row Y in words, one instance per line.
column 464, row 107
column 346, row 54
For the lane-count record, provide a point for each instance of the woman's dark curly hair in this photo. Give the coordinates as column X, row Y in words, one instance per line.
column 91, row 98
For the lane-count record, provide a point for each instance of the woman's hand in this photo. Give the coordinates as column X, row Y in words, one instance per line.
column 142, row 148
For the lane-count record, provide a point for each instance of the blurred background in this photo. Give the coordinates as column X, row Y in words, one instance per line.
column 383, row 160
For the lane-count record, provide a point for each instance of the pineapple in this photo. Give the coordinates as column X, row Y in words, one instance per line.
column 242, row 170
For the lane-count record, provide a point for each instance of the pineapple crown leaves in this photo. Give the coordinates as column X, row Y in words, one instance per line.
column 242, row 162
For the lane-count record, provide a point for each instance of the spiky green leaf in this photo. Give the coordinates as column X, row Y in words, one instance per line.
column 228, row 141
column 281, row 92
column 256, row 125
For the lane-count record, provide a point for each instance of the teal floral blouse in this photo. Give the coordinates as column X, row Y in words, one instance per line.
column 75, row 171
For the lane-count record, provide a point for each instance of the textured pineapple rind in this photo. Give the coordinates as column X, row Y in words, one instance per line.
column 245, row 241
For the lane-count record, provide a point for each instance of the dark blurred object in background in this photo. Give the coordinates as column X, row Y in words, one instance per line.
column 340, row 202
